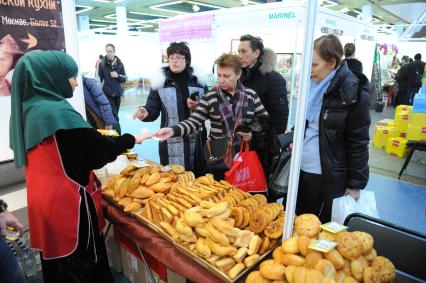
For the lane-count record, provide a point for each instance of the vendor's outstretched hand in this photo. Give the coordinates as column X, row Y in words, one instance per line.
column 139, row 138
column 164, row 134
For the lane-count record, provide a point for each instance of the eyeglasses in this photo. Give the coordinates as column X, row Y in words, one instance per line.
column 176, row 58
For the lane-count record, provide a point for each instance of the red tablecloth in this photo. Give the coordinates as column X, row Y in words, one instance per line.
column 157, row 246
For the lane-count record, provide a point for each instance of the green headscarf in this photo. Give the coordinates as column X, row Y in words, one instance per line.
column 40, row 87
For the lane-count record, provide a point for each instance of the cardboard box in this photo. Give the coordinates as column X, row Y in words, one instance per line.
column 381, row 135
column 418, row 119
column 113, row 250
column 416, row 133
column 397, row 147
column 133, row 268
column 173, row 277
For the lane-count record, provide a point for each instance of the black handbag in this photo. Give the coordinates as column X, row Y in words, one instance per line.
column 278, row 181
column 199, row 167
column 218, row 154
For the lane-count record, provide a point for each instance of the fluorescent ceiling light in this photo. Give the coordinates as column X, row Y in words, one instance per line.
column 328, row 3
column 159, row 6
column 97, row 25
column 149, row 14
column 109, row 1
column 202, row 4
column 114, row 17
column 85, row 8
column 102, row 21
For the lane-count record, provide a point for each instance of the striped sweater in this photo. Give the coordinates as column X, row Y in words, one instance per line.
column 208, row 108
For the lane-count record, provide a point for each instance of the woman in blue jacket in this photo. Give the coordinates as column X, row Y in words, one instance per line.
column 98, row 109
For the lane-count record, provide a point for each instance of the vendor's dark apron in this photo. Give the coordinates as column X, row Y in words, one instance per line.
column 54, row 202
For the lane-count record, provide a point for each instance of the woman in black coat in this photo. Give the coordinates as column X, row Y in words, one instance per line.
column 175, row 92
column 335, row 151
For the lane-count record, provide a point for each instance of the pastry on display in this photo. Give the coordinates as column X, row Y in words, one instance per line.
column 228, row 228
column 310, row 255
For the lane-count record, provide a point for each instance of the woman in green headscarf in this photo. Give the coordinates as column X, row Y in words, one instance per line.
column 59, row 150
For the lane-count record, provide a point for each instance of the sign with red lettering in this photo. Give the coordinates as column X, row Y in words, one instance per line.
column 27, row 25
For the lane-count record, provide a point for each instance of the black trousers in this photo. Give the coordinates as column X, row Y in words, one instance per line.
column 311, row 197
column 115, row 103
column 89, row 262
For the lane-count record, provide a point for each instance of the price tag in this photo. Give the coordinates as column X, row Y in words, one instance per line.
column 140, row 163
column 322, row 245
column 165, row 168
column 333, row 227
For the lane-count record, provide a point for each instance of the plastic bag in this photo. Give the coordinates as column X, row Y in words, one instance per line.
column 246, row 172
column 278, row 182
column 345, row 205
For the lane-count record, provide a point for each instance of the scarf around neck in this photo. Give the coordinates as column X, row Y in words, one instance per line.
column 316, row 95
column 232, row 119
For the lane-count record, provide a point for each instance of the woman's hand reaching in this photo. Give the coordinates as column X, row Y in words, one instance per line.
column 164, row 134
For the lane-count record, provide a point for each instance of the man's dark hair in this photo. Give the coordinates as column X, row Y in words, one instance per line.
column 411, row 60
column 110, row 45
column 349, row 49
column 418, row 56
column 255, row 43
column 180, row 48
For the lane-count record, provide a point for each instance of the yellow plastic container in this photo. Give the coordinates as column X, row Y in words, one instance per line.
column 381, row 135
column 397, row 147
column 416, row 133
column 391, row 123
column 407, row 108
column 417, row 119
column 401, row 121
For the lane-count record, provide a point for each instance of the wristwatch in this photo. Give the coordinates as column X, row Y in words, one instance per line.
column 3, row 206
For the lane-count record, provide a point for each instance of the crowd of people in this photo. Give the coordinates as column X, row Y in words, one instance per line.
column 59, row 149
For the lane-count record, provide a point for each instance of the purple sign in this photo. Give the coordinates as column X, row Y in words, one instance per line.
column 195, row 27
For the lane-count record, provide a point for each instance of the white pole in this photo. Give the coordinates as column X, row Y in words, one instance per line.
column 299, row 128
column 71, row 46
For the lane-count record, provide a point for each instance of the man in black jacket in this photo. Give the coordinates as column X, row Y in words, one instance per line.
column 112, row 75
column 259, row 74
column 415, row 71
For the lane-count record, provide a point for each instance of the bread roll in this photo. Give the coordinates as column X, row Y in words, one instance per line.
column 290, row 245
column 313, row 276
column 303, row 244
column 299, row 275
column 335, row 258
column 225, row 264
column 250, row 260
column 254, row 245
column 312, row 258
column 270, row 269
column 291, row 259
column 326, row 268
column 234, row 271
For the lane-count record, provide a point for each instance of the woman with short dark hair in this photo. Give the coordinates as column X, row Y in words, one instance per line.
column 335, row 150
column 175, row 92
